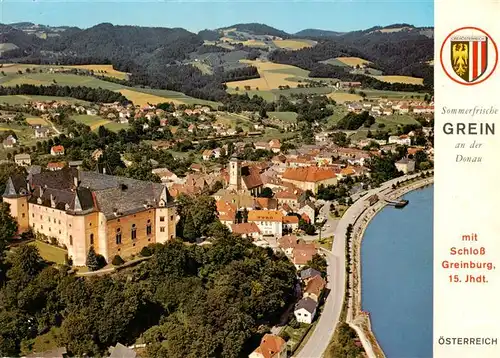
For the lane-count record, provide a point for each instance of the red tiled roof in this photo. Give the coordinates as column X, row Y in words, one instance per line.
column 265, row 215
column 309, row 174
column 287, row 194
column 266, row 203
column 288, row 241
column 275, row 143
column 302, row 253
column 251, row 177
column 270, row 346
column 58, row 149
column 290, row 219
column 305, row 217
column 245, row 228
column 54, row 165
column 315, row 285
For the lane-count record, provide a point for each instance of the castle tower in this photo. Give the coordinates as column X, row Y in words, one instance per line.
column 234, row 174
column 16, row 195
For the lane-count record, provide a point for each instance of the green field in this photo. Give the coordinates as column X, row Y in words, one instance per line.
column 63, row 79
column 339, row 112
column 88, row 120
column 116, row 127
column 392, row 94
column 177, row 96
column 50, row 253
column 22, row 99
column 232, row 120
column 25, row 135
column 392, row 122
column 295, row 71
column 334, row 62
column 94, row 122
column 273, row 95
column 290, row 117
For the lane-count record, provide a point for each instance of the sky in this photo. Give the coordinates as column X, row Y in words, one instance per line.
column 290, row 16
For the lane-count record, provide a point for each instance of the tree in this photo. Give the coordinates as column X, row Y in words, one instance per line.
column 318, row 263
column 117, row 260
column 92, row 262
column 145, row 251
column 190, row 233
column 266, row 193
column 8, row 226
column 263, row 113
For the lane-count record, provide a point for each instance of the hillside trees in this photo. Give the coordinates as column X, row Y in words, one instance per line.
column 183, row 294
column 78, row 92
column 353, row 121
column 197, row 215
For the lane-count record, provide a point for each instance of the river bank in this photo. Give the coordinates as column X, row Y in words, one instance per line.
column 356, row 318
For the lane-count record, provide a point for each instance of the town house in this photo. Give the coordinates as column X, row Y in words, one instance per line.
column 269, row 222
column 310, row 178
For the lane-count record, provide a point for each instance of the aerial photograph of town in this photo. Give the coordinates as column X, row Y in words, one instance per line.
column 215, row 179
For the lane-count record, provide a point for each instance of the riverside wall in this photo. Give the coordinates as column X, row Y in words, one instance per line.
column 356, row 318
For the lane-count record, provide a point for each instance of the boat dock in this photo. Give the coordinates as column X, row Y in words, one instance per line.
column 398, row 203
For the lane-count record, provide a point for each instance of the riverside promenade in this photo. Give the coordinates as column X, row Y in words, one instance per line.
column 356, row 318
column 329, row 319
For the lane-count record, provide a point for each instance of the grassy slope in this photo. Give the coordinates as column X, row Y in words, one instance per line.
column 12, row 79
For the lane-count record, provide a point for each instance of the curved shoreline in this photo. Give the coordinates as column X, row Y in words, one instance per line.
column 356, row 318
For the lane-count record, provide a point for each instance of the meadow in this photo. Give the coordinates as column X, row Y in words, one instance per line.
column 334, row 62
column 32, row 121
column 232, row 120
column 401, row 79
column 272, row 75
column 353, row 61
column 289, row 117
column 341, row 97
column 295, row 44
column 94, row 122
column 140, row 95
column 22, row 99
column 390, row 123
column 251, row 43
column 102, row 70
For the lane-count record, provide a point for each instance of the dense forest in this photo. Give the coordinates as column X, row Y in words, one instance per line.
column 89, row 94
column 260, row 29
column 185, row 301
column 399, row 53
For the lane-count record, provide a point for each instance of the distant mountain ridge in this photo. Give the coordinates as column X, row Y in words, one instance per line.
column 198, row 64
column 254, row 28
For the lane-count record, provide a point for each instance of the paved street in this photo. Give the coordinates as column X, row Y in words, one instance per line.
column 320, row 338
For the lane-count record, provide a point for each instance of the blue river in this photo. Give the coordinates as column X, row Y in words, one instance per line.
column 396, row 264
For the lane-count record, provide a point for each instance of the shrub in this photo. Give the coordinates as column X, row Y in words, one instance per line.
column 285, row 336
column 294, row 324
column 117, row 260
column 145, row 251
column 101, row 261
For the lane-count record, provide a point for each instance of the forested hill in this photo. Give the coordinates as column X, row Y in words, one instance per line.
column 167, row 57
column 259, row 29
column 397, row 53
